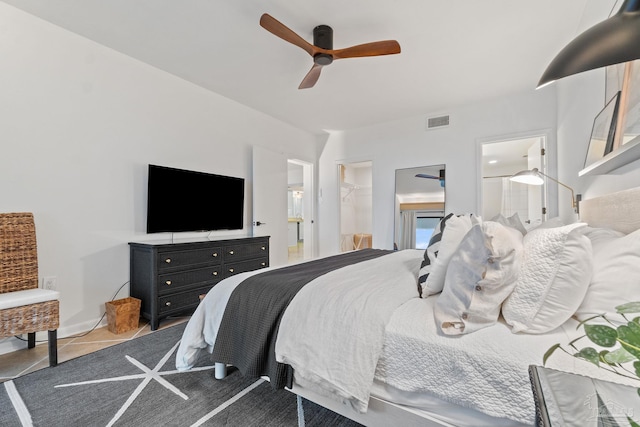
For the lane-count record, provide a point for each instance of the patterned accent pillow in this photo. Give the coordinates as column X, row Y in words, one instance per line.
column 431, row 253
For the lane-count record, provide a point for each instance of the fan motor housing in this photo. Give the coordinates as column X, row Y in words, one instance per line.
column 323, row 38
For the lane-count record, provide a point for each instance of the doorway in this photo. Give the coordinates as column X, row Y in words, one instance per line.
column 504, row 158
column 299, row 211
column 356, row 205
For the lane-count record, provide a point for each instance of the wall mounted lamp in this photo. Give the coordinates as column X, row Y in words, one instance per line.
column 535, row 177
column 612, row 41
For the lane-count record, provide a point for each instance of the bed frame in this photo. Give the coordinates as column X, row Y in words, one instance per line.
column 619, row 211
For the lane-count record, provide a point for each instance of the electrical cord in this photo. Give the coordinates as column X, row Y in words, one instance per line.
column 90, row 330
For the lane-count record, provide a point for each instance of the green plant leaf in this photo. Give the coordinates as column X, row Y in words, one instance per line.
column 602, row 335
column 630, row 307
column 629, row 337
column 549, row 353
column 589, row 354
column 618, row 356
column 631, row 422
column 589, row 319
column 636, row 366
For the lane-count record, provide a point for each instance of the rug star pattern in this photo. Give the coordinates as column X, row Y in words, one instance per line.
column 147, row 376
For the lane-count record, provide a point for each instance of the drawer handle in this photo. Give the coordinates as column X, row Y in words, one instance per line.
column 168, row 260
column 168, row 303
column 263, row 264
column 231, row 270
column 230, row 252
column 215, row 254
column 168, row 282
column 263, row 248
column 215, row 273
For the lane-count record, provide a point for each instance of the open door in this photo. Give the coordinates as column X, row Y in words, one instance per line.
column 500, row 160
column 535, row 159
column 270, row 201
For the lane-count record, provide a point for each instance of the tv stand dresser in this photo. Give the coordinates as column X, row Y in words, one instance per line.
column 169, row 278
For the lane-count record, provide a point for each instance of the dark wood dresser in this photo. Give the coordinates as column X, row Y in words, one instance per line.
column 170, row 277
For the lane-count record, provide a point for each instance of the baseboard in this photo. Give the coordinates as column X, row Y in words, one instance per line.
column 10, row 344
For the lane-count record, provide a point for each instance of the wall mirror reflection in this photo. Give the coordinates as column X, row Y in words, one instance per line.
column 419, row 205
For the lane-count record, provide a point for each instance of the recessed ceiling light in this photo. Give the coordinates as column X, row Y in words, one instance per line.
column 493, row 162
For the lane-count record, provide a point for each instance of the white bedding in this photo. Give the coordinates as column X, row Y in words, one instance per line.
column 485, row 371
column 355, row 303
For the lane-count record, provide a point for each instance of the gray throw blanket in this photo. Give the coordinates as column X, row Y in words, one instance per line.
column 249, row 328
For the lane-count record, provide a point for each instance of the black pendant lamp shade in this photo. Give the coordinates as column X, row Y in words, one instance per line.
column 612, row 41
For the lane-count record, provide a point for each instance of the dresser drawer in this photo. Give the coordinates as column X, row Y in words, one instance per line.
column 169, row 277
column 249, row 265
column 233, row 253
column 181, row 301
column 172, row 282
column 176, row 259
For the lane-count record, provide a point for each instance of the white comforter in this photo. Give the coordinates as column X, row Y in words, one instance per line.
column 378, row 325
column 354, row 304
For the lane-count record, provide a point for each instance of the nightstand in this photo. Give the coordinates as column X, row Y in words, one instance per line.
column 565, row 399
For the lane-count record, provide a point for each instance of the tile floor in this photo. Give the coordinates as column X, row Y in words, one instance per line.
column 23, row 361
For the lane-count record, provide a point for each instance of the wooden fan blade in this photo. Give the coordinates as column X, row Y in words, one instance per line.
column 385, row 47
column 311, row 78
column 277, row 28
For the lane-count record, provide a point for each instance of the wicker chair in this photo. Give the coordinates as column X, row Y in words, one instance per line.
column 24, row 308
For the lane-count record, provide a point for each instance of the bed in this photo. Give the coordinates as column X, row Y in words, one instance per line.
column 375, row 341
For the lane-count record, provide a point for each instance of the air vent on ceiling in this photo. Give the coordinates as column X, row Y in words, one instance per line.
column 437, row 122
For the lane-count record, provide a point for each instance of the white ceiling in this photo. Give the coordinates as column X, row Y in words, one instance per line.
column 453, row 52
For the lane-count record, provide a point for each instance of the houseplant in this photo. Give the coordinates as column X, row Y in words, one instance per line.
column 619, row 343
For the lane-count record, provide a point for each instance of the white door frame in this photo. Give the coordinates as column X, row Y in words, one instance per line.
column 347, row 162
column 550, row 165
column 309, row 206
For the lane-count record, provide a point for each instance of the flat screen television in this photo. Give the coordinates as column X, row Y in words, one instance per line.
column 183, row 200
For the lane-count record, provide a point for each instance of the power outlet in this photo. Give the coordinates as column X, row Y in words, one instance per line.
column 50, row 282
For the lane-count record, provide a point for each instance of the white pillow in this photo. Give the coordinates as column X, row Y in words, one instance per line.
column 553, row 279
column 513, row 221
column 455, row 230
column 552, row 223
column 480, row 275
column 616, row 275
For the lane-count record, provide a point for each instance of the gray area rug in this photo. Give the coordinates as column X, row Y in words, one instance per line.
column 136, row 384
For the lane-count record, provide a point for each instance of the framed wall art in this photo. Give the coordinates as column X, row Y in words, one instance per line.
column 630, row 123
column 603, row 131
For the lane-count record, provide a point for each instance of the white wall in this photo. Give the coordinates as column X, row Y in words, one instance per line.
column 580, row 99
column 564, row 110
column 406, row 143
column 80, row 123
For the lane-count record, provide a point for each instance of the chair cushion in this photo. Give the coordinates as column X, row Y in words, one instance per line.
column 26, row 297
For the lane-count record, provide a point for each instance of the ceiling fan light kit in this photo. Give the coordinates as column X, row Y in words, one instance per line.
column 610, row 42
column 322, row 50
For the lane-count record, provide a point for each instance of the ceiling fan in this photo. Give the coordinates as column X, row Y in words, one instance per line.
column 427, row 176
column 322, row 48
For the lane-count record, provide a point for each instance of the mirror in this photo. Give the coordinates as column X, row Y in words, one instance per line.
column 419, row 205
